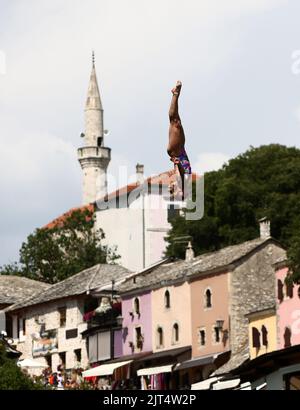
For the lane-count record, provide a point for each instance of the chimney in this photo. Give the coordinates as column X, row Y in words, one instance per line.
column 189, row 253
column 139, row 173
column 264, row 227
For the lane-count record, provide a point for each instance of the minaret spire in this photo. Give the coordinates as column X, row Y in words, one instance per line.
column 94, row 157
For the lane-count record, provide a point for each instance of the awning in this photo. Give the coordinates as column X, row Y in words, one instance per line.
column 205, row 384
column 200, row 361
column 171, row 354
column 155, row 370
column 104, row 369
column 226, row 384
column 31, row 364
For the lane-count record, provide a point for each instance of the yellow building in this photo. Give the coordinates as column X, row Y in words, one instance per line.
column 262, row 332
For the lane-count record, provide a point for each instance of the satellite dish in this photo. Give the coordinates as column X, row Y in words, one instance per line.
column 106, row 132
column 82, row 135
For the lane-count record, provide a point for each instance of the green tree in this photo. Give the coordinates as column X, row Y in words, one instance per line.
column 11, row 269
column 71, row 245
column 264, row 181
column 11, row 376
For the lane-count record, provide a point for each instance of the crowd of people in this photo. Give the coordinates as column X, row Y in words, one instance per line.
column 62, row 380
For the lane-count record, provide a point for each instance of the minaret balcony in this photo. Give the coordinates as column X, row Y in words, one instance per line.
column 94, row 152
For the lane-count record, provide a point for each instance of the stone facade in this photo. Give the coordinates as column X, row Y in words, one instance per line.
column 48, row 316
column 252, row 288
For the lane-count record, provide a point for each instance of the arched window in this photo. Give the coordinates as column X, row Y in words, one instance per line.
column 167, row 299
column 136, row 305
column 208, row 298
column 176, row 332
column 280, row 290
column 160, row 336
column 255, row 338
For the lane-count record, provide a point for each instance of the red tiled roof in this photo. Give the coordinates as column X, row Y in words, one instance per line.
column 60, row 220
column 163, row 179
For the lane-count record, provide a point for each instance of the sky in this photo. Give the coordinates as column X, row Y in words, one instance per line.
column 239, row 61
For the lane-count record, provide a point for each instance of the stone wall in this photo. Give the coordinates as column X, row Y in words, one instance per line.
column 49, row 315
column 252, row 288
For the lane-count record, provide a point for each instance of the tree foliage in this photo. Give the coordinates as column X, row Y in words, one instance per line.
column 54, row 253
column 263, row 181
column 11, row 376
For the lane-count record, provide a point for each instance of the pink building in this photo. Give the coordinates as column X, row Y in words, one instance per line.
column 288, row 309
column 137, row 332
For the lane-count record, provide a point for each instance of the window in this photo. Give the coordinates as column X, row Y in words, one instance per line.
column 176, row 332
column 48, row 360
column 217, row 334
column 9, row 326
column 299, row 292
column 208, row 298
column 280, row 290
column 62, row 358
column 160, row 336
column 167, row 299
column 23, row 326
column 99, row 141
column 264, row 333
column 202, row 337
column 287, row 337
column 138, row 337
column 62, row 316
column 71, row 333
column 77, row 353
column 255, row 338
column 289, row 289
column 136, row 305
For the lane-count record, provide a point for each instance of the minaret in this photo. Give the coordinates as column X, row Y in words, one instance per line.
column 94, row 157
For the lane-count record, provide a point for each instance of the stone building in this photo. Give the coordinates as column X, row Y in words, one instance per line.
column 53, row 320
column 14, row 289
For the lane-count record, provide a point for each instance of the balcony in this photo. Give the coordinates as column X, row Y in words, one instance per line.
column 110, row 318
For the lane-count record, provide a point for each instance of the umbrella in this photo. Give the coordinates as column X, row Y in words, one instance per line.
column 31, row 363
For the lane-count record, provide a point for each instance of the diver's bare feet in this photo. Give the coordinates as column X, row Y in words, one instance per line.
column 176, row 90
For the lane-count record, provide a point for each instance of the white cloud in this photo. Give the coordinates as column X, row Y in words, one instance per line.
column 210, row 161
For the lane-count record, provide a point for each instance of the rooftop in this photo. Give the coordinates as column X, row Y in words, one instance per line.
column 78, row 284
column 183, row 270
column 163, row 179
column 14, row 289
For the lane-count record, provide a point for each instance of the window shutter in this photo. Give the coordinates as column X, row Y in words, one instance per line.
column 255, row 337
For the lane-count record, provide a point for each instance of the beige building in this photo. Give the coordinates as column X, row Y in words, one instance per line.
column 171, row 315
column 262, row 332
